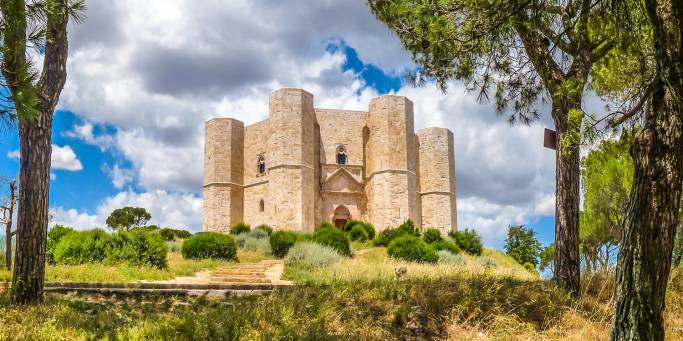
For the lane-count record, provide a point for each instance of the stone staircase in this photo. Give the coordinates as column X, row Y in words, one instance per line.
column 244, row 274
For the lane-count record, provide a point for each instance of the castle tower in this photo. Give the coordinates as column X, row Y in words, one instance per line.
column 437, row 179
column 291, row 173
column 223, row 174
column 391, row 186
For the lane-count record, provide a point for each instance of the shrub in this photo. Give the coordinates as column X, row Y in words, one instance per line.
column 351, row 223
column 446, row 257
column 281, row 242
column 431, row 235
column 334, row 238
column 167, row 234
column 413, row 249
column 311, row 255
column 386, row 236
column 358, row 233
column 531, row 268
column 171, row 234
column 210, row 245
column 254, row 241
column 446, row 245
column 488, row 262
column 138, row 248
column 266, row 228
column 468, row 240
column 240, row 228
column 80, row 247
column 326, row 225
column 370, row 230
column 53, row 236
column 258, row 234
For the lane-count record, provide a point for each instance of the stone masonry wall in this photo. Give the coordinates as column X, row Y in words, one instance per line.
column 437, row 179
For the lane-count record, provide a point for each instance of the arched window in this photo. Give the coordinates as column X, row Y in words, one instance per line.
column 261, row 167
column 261, row 206
column 341, row 155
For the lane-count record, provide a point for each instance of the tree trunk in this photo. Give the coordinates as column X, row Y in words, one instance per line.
column 678, row 244
column 32, row 217
column 9, row 222
column 567, row 177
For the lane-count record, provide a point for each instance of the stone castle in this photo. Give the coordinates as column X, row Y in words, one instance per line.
column 302, row 166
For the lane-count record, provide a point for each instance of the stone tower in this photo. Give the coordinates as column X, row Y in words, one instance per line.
column 303, row 165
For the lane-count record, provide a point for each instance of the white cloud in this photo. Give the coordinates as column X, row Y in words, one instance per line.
column 84, row 132
column 72, row 218
column 64, row 158
column 14, row 154
column 120, row 176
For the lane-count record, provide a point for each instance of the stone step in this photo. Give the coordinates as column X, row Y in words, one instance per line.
column 259, row 276
column 238, row 272
column 236, row 279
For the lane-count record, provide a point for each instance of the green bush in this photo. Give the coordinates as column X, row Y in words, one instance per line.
column 334, row 238
column 468, row 241
column 311, row 255
column 53, row 236
column 266, row 228
column 358, row 233
column 431, row 235
column 240, row 228
column 167, row 234
column 531, row 268
column 413, row 249
column 446, row 245
column 326, row 225
column 258, row 234
column 350, row 224
column 386, row 236
column 369, row 229
column 446, row 257
column 210, row 245
column 281, row 242
column 171, row 234
column 256, row 240
column 138, row 247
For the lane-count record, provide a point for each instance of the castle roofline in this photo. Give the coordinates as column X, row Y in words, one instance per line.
column 428, row 130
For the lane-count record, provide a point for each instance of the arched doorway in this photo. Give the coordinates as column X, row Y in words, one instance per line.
column 341, row 216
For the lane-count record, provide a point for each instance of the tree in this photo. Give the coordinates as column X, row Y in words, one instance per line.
column 39, row 25
column 7, row 208
column 607, row 175
column 522, row 245
column 128, row 218
column 530, row 51
column 548, row 259
column 649, row 223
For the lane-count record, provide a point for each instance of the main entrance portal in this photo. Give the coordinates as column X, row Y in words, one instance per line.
column 341, row 216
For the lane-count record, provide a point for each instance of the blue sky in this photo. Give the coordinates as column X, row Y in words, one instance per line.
column 133, row 108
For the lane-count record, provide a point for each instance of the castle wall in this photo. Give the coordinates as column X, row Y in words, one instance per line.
column 341, row 127
column 392, row 185
column 437, row 179
column 223, row 174
column 256, row 138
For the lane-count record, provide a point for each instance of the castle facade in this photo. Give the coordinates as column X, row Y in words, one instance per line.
column 302, row 166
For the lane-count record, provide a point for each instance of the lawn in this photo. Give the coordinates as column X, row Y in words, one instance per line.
column 177, row 266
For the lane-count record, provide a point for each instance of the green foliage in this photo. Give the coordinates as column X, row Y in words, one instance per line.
column 447, row 257
column 325, row 225
column 137, row 248
column 522, row 245
column 350, row 224
column 369, row 229
column 431, row 235
column 334, row 238
column 311, row 255
column 386, row 236
column 266, row 228
column 413, row 249
column 240, row 228
column 53, row 236
column 210, row 245
column 128, row 218
column 547, row 258
column 171, row 234
column 281, row 242
column 531, row 268
column 468, row 241
column 256, row 240
column 446, row 245
column 358, row 233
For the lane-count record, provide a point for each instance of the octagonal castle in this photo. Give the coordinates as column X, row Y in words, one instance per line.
column 302, row 166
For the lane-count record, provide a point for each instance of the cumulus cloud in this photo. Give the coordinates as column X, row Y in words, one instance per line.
column 84, row 132
column 64, row 158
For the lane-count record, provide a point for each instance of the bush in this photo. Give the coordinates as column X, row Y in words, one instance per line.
column 266, row 228
column 413, row 249
column 468, row 240
column 53, row 237
column 210, row 245
column 446, row 257
column 281, row 242
column 138, row 247
column 258, row 234
column 446, row 245
column 256, row 240
column 386, row 236
column 431, row 235
column 240, row 228
column 370, row 230
column 171, row 234
column 358, row 233
column 326, row 225
column 350, row 224
column 167, row 234
column 488, row 262
column 531, row 268
column 334, row 238
column 311, row 255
